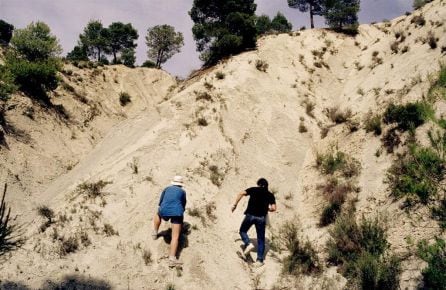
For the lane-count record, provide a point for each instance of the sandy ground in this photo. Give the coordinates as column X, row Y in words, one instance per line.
column 221, row 134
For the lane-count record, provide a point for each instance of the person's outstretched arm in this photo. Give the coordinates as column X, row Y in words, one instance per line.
column 237, row 199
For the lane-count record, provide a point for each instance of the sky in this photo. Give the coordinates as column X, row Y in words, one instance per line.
column 67, row 18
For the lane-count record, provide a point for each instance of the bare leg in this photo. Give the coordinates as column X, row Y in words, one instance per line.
column 176, row 230
column 156, row 222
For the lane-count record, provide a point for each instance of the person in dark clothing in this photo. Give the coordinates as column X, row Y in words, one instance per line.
column 261, row 201
column 171, row 207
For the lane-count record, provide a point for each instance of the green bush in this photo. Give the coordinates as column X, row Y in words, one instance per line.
column 409, row 116
column 331, row 162
column 439, row 213
column 416, row 175
column 378, row 272
column 417, row 4
column 361, row 249
column 34, row 78
column 7, row 85
column 149, row 64
column 372, row 123
column 349, row 239
column 434, row 275
column 302, row 257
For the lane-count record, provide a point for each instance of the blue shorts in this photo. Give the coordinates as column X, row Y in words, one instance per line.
column 178, row 220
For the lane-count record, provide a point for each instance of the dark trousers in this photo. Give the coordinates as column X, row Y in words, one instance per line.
column 260, row 223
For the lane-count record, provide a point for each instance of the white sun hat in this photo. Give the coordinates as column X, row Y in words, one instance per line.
column 177, row 180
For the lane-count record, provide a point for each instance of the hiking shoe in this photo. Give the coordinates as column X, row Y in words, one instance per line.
column 248, row 249
column 175, row 263
column 154, row 235
column 258, row 264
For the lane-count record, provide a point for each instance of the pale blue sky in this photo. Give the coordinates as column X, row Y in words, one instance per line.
column 67, row 18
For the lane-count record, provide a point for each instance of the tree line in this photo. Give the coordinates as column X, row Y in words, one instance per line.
column 220, row 29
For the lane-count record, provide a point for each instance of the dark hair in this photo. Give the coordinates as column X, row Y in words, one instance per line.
column 262, row 182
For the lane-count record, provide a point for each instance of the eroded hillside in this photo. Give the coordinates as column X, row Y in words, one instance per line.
column 265, row 113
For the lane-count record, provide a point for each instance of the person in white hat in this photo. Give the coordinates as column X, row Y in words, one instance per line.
column 171, row 207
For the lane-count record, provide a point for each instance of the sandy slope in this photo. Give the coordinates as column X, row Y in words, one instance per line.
column 252, row 130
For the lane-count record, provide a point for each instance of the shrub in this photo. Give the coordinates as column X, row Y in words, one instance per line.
column 203, row 96
column 408, row 116
column 69, row 245
column 331, row 162
column 372, row 123
column 309, row 107
column 302, row 257
column 434, row 275
column 378, row 272
column 6, row 31
column 110, row 231
column 219, row 75
column 202, row 122
column 416, row 175
column 431, row 40
column 147, row 257
column 417, row 4
column 46, row 212
column 350, row 240
column 261, row 65
column 10, row 233
column 418, row 20
column 302, row 128
column 124, row 98
column 148, row 64
column 92, row 190
column 34, row 78
column 7, row 85
column 439, row 213
column 329, row 214
column 339, row 116
column 394, row 47
column 215, row 175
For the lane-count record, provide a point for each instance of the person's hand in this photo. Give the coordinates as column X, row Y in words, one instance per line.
column 233, row 207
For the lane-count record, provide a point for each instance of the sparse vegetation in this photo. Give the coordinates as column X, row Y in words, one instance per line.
column 332, row 162
column 124, row 99
column 202, row 122
column 110, row 231
column 302, row 128
column 339, row 116
column 134, row 166
column 434, row 275
column 431, row 40
column 46, row 212
column 309, row 108
column 417, row 174
column 91, row 190
column 220, row 75
column 417, row 4
column 261, row 65
column 302, row 257
column 335, row 192
column 361, row 251
column 203, row 96
column 68, row 246
column 372, row 123
column 418, row 20
column 215, row 175
column 409, row 116
column 147, row 257
column 10, row 233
